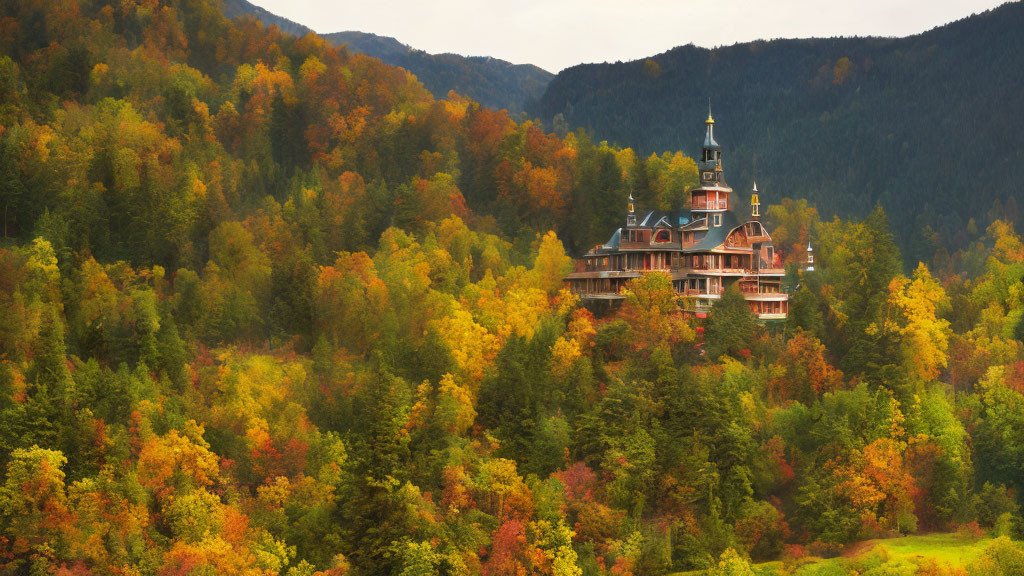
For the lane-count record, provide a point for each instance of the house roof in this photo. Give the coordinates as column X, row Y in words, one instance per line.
column 613, row 242
column 716, row 234
column 709, row 142
column 670, row 218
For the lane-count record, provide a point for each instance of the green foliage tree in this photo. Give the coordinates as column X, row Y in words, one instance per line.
column 860, row 263
column 730, row 327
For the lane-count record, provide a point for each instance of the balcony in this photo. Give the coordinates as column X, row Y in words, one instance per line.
column 757, row 295
column 709, row 204
column 710, row 271
column 711, row 292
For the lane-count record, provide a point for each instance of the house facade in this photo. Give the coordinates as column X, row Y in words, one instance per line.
column 704, row 250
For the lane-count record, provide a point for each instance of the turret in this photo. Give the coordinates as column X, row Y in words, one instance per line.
column 710, row 198
column 810, row 258
column 631, row 213
column 755, row 204
column 711, row 155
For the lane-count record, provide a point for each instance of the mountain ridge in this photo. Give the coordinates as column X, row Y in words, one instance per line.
column 918, row 124
column 236, row 8
column 494, row 83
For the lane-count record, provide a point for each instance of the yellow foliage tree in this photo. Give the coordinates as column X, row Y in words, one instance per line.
column 925, row 335
column 473, row 346
column 551, row 265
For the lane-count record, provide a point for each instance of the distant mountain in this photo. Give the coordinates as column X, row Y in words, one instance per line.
column 494, row 83
column 930, row 126
column 372, row 44
column 235, row 8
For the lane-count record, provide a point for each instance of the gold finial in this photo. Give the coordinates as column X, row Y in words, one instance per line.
column 710, row 120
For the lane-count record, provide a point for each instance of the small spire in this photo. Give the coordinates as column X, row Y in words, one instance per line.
column 809, row 249
column 755, row 203
column 710, row 119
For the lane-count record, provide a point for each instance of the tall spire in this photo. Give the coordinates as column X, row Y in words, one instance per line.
column 631, row 214
column 755, row 203
column 712, row 154
column 810, row 257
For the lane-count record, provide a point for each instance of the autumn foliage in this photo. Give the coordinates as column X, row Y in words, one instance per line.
column 266, row 307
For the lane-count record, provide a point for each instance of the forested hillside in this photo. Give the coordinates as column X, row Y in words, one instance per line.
column 494, row 83
column 236, row 8
column 268, row 307
column 929, row 126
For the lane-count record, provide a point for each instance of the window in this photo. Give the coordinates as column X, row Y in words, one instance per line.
column 663, row 236
column 718, row 219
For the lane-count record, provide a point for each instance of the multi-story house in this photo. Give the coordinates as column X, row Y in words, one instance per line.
column 704, row 251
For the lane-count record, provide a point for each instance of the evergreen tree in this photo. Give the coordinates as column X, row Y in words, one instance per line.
column 730, row 327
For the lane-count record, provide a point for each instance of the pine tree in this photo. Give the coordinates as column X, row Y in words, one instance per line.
column 730, row 326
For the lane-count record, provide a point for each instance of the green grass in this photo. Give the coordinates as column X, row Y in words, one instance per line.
column 946, row 548
column 891, row 555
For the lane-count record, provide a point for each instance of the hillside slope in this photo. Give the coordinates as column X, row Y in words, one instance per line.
column 494, row 83
column 235, row 8
column 929, row 126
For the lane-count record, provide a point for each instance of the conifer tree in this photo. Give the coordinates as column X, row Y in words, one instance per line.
column 731, row 325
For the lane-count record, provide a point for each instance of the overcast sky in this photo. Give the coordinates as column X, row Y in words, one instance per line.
column 555, row 34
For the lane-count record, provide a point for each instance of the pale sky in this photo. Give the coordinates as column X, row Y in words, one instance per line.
column 555, row 34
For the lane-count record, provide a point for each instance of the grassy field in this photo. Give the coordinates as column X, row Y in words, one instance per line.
column 947, row 548
column 893, row 556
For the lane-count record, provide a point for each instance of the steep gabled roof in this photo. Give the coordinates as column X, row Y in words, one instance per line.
column 698, row 224
column 670, row 218
column 613, row 242
column 716, row 234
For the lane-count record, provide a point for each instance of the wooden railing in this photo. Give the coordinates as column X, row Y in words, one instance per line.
column 757, row 292
column 580, row 266
column 709, row 205
column 712, row 291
